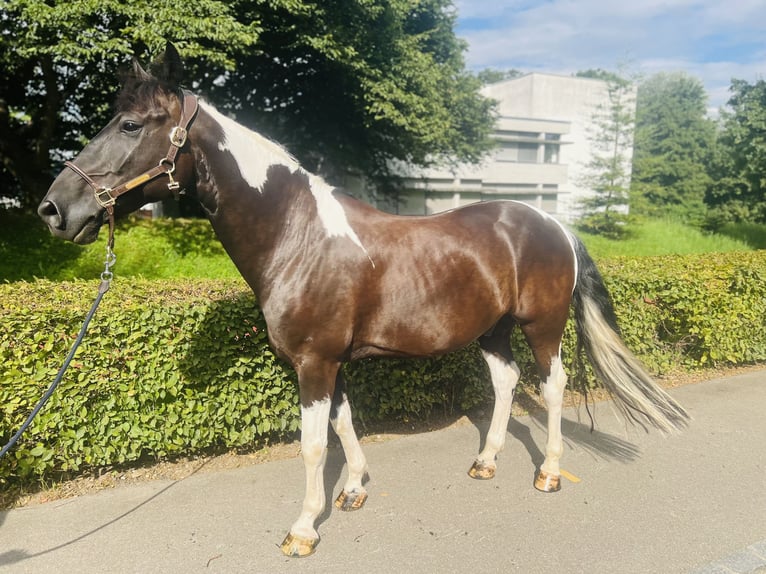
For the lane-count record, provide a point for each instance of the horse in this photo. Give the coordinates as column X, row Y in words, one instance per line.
column 338, row 280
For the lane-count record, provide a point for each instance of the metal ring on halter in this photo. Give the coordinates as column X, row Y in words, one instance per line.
column 165, row 161
column 104, row 191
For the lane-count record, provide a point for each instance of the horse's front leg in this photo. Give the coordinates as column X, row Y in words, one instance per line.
column 354, row 494
column 316, row 403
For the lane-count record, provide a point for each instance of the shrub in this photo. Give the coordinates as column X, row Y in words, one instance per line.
column 160, row 373
column 178, row 368
column 693, row 310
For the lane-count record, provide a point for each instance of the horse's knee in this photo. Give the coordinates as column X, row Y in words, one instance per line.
column 312, row 452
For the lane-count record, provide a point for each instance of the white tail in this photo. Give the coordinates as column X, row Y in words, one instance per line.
column 638, row 395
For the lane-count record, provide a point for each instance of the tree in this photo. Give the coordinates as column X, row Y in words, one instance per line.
column 600, row 74
column 347, row 84
column 353, row 85
column 607, row 173
column 738, row 192
column 491, row 76
column 57, row 71
column 673, row 147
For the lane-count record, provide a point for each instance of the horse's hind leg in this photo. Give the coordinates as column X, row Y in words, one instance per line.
column 354, row 494
column 496, row 349
column 545, row 341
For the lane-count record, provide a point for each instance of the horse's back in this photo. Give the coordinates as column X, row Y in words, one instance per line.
column 491, row 229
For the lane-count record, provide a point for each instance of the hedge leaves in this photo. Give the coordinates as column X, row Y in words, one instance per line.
column 171, row 368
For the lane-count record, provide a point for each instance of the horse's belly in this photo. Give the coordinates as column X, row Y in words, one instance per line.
column 425, row 332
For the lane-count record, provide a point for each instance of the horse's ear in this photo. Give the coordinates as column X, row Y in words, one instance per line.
column 169, row 68
column 132, row 73
column 138, row 72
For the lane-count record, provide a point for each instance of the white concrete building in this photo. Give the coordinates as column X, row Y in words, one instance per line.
column 544, row 132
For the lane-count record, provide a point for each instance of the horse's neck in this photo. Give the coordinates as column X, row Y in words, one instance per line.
column 257, row 201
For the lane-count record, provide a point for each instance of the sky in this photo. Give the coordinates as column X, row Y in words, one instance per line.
column 712, row 40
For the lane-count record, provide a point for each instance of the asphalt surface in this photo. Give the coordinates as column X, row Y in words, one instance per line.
column 692, row 502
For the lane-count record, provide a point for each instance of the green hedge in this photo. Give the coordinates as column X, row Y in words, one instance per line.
column 183, row 367
column 691, row 311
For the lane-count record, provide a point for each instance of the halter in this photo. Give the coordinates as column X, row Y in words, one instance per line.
column 107, row 196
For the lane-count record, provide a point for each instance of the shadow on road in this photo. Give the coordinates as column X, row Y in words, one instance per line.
column 14, row 556
column 599, row 444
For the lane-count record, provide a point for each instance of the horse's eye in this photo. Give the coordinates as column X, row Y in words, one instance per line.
column 130, row 127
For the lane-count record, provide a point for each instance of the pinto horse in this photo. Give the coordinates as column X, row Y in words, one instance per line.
column 338, row 280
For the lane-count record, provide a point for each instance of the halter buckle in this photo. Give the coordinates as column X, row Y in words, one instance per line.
column 104, row 191
column 178, row 136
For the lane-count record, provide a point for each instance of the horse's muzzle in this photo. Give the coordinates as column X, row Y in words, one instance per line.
column 81, row 231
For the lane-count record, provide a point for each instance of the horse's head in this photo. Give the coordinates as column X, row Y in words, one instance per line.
column 132, row 161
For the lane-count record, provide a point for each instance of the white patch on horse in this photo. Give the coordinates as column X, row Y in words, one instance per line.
column 357, row 464
column 331, row 213
column 254, row 155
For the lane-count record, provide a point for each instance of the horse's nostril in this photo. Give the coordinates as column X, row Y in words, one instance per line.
column 49, row 212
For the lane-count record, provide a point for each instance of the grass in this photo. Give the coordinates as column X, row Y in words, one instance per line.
column 665, row 237
column 176, row 248
column 161, row 249
column 751, row 233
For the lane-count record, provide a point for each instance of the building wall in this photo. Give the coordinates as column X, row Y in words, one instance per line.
column 563, row 98
column 543, row 130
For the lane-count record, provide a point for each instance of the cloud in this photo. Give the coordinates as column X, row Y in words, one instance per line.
column 712, row 40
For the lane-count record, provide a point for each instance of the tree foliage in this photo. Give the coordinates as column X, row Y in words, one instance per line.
column 607, row 173
column 600, row 74
column 347, row 84
column 673, row 146
column 58, row 64
column 492, row 76
column 738, row 192
column 355, row 84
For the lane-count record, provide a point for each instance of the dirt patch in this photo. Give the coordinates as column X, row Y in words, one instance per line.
column 526, row 401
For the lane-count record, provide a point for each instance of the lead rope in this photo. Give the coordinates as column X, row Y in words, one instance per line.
column 106, row 280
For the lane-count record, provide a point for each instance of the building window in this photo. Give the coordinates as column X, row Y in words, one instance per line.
column 521, row 152
column 551, row 153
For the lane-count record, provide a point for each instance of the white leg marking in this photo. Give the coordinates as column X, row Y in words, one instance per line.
column 553, row 394
column 314, row 421
column 357, row 464
column 504, row 378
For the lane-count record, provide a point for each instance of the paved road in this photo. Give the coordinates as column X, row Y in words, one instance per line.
column 694, row 502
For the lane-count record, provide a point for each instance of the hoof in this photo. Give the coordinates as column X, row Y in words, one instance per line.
column 546, row 482
column 481, row 471
column 298, row 546
column 349, row 501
